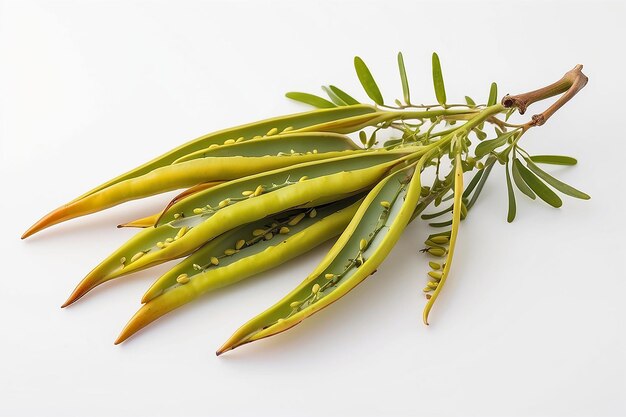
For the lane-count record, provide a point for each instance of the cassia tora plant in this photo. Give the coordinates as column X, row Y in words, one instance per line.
column 260, row 194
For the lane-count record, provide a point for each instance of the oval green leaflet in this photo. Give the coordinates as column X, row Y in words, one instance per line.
column 403, row 79
column 440, row 89
column 345, row 97
column 554, row 159
column 310, row 99
column 538, row 187
column 361, row 248
column 511, row 195
column 559, row 185
column 519, row 182
column 493, row 95
column 209, row 268
column 490, row 145
column 367, row 81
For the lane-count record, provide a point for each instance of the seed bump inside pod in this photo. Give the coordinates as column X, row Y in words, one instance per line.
column 229, row 252
column 197, row 210
column 313, row 213
column 224, row 203
column 272, row 131
column 214, row 260
column 247, row 193
column 137, row 256
column 258, row 232
column 295, row 304
column 182, row 279
column 258, row 191
column 437, row 251
column 303, row 178
column 213, row 146
column 296, row 219
column 315, row 289
column 229, row 142
column 329, row 276
column 385, row 204
column 283, row 230
column 268, row 236
column 362, row 244
column 240, row 244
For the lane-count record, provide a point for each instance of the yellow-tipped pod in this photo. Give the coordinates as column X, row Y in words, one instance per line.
column 248, row 131
column 167, row 293
column 348, row 263
column 236, row 161
column 330, row 180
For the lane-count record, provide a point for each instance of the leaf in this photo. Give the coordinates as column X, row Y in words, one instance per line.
column 441, row 224
column 487, row 146
column 472, row 184
column 310, row 99
column 559, row 185
column 493, row 94
column 405, row 82
column 483, row 179
column 517, row 179
column 334, row 97
column 554, row 159
column 512, row 208
column 542, row 190
column 470, row 102
column 347, row 98
column 437, row 214
column 367, row 81
column 440, row 90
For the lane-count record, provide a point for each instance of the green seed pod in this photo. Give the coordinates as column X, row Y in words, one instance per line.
column 435, row 274
column 439, row 239
column 434, row 265
column 432, row 285
column 436, row 251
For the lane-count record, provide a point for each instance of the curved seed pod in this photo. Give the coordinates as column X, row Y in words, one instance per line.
column 208, row 268
column 254, row 158
column 456, row 220
column 364, row 244
column 187, row 230
column 248, row 131
column 151, row 220
column 258, row 185
column 281, row 144
column 292, row 122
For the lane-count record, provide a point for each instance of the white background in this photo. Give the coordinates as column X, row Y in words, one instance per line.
column 531, row 322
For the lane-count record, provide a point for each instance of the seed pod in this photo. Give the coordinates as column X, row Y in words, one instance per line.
column 434, row 265
column 436, row 251
column 432, row 285
column 439, row 239
column 435, row 274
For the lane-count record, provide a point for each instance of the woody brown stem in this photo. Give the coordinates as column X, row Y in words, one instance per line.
column 571, row 83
